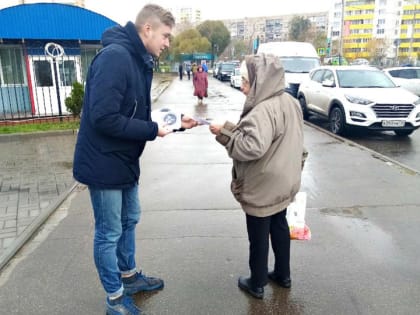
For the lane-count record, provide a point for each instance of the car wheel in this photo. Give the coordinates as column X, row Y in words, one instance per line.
column 403, row 133
column 337, row 121
column 302, row 103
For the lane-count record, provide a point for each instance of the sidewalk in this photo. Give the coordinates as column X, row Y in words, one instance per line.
column 36, row 176
column 363, row 212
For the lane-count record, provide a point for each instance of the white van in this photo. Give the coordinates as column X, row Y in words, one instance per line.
column 298, row 58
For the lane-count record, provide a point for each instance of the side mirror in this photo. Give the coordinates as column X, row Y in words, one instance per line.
column 328, row 83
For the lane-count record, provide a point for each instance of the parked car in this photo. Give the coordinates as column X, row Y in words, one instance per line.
column 336, row 61
column 359, row 62
column 359, row 96
column 225, row 70
column 216, row 68
column 236, row 79
column 406, row 77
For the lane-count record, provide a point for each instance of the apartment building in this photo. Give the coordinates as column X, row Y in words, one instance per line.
column 273, row 28
column 385, row 29
column 409, row 39
column 186, row 15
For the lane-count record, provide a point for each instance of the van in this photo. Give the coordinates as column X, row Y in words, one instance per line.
column 298, row 59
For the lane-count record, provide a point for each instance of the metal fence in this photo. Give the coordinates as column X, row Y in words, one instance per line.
column 34, row 85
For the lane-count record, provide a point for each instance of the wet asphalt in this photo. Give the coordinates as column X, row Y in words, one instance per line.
column 363, row 211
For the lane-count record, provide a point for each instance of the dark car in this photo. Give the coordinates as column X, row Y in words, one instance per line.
column 225, row 70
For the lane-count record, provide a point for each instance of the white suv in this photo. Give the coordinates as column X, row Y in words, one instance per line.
column 359, row 96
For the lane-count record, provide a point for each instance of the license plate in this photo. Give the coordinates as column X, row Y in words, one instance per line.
column 393, row 123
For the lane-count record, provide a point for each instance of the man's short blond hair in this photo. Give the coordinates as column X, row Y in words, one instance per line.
column 154, row 15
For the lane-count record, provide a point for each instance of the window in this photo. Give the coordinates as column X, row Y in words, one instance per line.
column 328, row 76
column 43, row 73
column 87, row 55
column 11, row 66
column 67, row 72
column 317, row 75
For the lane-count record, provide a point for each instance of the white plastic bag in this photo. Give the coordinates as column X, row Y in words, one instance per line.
column 296, row 218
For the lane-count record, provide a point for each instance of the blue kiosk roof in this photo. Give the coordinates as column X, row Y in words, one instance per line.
column 52, row 21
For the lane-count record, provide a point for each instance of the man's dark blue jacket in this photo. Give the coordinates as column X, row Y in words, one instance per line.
column 115, row 122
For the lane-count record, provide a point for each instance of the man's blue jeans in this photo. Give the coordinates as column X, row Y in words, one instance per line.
column 116, row 212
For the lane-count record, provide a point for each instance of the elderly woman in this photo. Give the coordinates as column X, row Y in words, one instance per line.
column 266, row 147
column 200, row 83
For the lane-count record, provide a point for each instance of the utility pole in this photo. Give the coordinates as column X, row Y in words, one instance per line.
column 340, row 54
column 411, row 30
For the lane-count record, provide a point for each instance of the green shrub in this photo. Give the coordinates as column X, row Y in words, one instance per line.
column 164, row 68
column 74, row 102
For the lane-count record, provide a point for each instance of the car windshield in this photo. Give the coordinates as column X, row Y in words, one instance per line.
column 227, row 66
column 299, row 64
column 406, row 73
column 363, row 79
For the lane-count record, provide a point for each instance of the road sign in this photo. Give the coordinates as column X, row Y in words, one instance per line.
column 321, row 51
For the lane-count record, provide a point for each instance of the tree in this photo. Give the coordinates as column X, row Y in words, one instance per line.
column 216, row 33
column 299, row 29
column 320, row 40
column 188, row 42
column 376, row 47
column 235, row 50
column 240, row 49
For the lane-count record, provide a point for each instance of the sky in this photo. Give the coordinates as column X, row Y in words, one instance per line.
column 122, row 11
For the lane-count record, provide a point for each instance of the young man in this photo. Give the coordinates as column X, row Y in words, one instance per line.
column 115, row 126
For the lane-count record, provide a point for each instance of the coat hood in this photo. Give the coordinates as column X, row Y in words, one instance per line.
column 128, row 37
column 266, row 78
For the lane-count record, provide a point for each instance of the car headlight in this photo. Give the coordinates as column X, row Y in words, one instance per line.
column 357, row 100
column 417, row 102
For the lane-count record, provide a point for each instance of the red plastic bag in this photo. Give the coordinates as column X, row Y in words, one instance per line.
column 303, row 234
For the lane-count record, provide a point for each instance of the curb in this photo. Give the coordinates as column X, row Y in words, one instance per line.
column 27, row 234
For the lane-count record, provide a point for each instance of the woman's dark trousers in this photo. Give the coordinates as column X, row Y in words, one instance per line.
column 259, row 231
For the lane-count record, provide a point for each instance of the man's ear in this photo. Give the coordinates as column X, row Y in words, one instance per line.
column 145, row 29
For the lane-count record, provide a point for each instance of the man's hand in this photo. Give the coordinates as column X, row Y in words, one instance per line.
column 163, row 131
column 215, row 129
column 188, row 122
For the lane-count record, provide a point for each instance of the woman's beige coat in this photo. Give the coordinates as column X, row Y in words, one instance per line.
column 267, row 143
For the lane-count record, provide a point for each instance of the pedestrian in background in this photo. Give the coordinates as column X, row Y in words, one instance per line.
column 115, row 126
column 266, row 147
column 180, row 70
column 194, row 69
column 205, row 68
column 188, row 69
column 200, row 83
